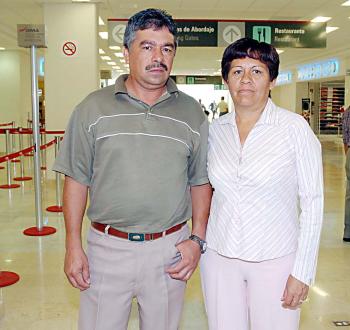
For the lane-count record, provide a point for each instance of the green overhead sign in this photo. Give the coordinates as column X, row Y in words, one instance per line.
column 216, row 33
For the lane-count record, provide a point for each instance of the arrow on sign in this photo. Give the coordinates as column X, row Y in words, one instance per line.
column 231, row 33
column 118, row 33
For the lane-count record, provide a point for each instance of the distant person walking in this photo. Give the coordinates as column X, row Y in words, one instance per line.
column 222, row 107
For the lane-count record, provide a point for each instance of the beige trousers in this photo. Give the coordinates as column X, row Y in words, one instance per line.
column 121, row 270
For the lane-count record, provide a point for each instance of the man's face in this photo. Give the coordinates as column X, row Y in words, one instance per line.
column 151, row 57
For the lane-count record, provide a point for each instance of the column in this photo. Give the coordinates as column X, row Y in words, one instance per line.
column 71, row 60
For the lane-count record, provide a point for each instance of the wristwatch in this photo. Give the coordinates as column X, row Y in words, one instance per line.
column 201, row 242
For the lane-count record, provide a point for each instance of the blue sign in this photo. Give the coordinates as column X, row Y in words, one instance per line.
column 284, row 77
column 317, row 70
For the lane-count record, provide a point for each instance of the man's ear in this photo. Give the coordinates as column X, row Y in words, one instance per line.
column 126, row 54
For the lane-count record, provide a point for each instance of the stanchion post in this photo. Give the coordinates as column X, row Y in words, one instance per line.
column 58, row 206
column 22, row 177
column 8, row 163
column 58, row 175
column 36, row 40
column 13, row 140
column 43, row 152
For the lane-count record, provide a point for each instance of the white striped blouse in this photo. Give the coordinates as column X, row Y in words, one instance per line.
column 268, row 198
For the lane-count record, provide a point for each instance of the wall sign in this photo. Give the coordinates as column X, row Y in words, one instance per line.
column 31, row 35
column 69, row 48
column 317, row 70
column 284, row 77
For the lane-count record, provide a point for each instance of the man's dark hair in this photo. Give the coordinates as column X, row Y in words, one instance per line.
column 248, row 47
column 148, row 19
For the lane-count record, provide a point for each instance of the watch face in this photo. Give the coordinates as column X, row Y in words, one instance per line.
column 204, row 247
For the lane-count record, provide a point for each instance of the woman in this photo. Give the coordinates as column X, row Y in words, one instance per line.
column 263, row 235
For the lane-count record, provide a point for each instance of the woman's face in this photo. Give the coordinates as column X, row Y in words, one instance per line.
column 249, row 83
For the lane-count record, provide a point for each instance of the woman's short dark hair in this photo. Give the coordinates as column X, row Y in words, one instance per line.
column 248, row 47
column 147, row 19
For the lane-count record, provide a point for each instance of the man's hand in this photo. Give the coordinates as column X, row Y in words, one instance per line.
column 190, row 254
column 76, row 267
column 295, row 293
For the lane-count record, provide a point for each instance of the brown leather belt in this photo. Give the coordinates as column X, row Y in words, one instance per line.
column 139, row 237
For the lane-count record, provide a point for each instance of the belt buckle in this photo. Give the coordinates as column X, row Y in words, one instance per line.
column 136, row 237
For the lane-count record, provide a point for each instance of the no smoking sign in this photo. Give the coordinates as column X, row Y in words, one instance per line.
column 69, row 48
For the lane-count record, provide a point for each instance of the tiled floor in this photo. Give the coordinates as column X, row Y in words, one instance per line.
column 44, row 300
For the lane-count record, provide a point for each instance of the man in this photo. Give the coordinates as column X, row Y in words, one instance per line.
column 203, row 107
column 139, row 149
column 222, row 107
column 346, row 140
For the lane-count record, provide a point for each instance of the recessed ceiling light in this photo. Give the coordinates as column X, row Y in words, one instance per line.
column 330, row 29
column 279, row 51
column 320, row 19
column 2, row 48
column 346, row 3
column 114, row 47
column 105, row 58
column 119, row 54
column 111, row 63
column 100, row 21
column 103, row 35
column 101, row 51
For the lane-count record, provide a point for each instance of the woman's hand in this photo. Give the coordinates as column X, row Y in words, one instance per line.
column 295, row 293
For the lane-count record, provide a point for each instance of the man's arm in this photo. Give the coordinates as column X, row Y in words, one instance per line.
column 76, row 264
column 190, row 250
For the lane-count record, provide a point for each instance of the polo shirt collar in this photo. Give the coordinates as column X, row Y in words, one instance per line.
column 121, row 88
column 269, row 116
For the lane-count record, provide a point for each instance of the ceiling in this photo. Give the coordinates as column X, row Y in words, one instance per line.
column 199, row 60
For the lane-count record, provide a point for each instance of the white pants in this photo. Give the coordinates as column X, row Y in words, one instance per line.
column 241, row 295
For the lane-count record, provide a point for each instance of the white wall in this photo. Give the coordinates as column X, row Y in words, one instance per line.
column 285, row 96
column 15, row 86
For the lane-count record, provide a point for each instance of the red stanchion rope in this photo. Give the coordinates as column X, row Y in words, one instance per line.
column 25, row 151
column 8, row 124
column 28, row 131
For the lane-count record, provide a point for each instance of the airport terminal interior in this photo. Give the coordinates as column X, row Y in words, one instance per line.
column 81, row 51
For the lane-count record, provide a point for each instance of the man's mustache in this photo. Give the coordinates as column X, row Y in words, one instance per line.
column 156, row 65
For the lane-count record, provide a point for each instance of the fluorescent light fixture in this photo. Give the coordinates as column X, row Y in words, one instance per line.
column 115, row 47
column 122, row 61
column 80, row 0
column 2, row 48
column 116, row 67
column 320, row 19
column 111, row 63
column 103, row 35
column 119, row 54
column 346, row 3
column 279, row 51
column 8, row 260
column 330, row 29
column 101, row 51
column 105, row 58
column 100, row 21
